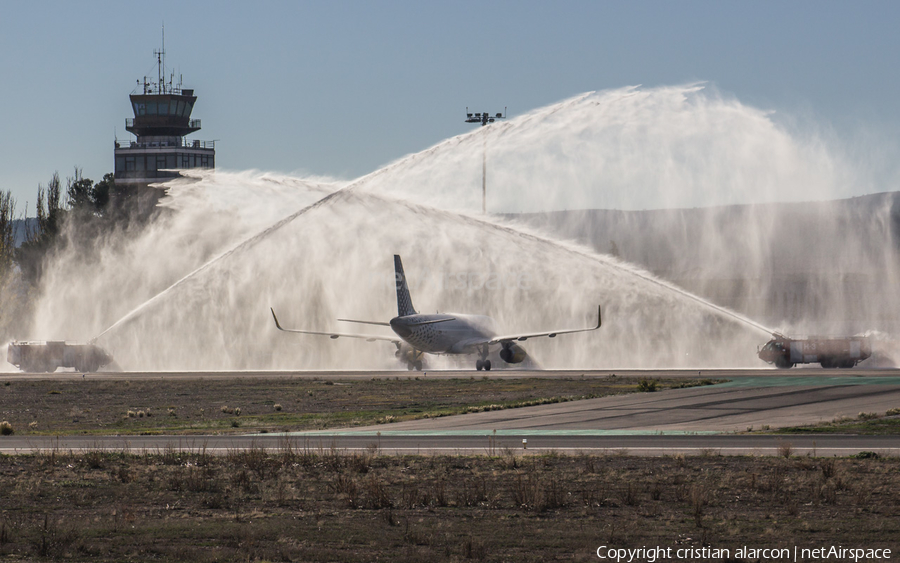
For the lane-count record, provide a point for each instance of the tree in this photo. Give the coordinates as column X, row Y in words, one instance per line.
column 102, row 191
column 88, row 199
column 88, row 216
column 44, row 237
column 7, row 232
column 80, row 191
column 14, row 301
column 49, row 220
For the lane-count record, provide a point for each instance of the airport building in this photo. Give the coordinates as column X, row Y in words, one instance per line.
column 161, row 123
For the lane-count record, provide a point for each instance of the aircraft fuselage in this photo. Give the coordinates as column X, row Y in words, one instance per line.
column 447, row 336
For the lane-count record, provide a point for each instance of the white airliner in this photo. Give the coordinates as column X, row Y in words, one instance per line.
column 442, row 333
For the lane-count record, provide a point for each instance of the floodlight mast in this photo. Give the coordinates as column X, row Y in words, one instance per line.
column 484, row 118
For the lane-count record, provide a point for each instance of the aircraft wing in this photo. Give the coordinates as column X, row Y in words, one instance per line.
column 333, row 335
column 365, row 322
column 551, row 334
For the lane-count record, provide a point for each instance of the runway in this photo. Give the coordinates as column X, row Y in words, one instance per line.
column 714, row 373
column 693, row 420
column 746, row 403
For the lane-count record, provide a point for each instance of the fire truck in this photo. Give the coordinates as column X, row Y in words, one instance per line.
column 33, row 356
column 830, row 352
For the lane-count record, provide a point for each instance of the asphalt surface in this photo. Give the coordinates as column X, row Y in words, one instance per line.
column 448, row 374
column 693, row 420
column 744, row 404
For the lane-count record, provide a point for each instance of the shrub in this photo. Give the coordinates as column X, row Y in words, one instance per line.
column 277, row 406
column 6, row 428
column 828, row 469
column 647, row 386
column 131, row 414
column 785, row 449
column 699, row 499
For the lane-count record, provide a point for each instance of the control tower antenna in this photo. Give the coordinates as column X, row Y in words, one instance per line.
column 161, row 62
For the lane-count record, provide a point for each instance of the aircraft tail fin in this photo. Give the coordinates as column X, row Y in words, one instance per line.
column 404, row 301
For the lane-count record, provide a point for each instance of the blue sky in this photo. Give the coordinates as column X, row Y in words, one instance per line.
column 340, row 88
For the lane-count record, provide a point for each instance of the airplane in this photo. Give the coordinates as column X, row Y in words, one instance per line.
column 448, row 333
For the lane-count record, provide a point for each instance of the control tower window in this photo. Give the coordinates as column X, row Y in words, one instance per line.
column 140, row 109
column 163, row 108
column 180, row 111
column 151, row 108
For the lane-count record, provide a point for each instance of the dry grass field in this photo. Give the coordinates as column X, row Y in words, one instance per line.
column 303, row 505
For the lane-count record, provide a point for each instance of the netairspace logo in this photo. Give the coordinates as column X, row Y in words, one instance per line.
column 654, row 554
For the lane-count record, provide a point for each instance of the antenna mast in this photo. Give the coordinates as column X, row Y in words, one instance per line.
column 161, row 62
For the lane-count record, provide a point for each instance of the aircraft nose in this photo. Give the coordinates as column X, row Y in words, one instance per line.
column 400, row 328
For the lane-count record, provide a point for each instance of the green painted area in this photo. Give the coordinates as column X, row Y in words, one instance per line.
column 489, row 433
column 809, row 381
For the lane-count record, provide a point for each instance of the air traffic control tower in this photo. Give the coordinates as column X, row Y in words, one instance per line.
column 161, row 123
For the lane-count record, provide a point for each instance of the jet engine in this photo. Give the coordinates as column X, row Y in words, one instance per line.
column 512, row 353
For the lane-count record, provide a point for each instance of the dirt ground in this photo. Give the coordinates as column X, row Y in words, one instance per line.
column 302, row 505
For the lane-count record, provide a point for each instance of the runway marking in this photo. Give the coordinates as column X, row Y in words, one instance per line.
column 632, row 451
column 808, row 381
column 499, row 432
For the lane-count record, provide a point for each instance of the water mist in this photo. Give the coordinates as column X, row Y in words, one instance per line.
column 194, row 291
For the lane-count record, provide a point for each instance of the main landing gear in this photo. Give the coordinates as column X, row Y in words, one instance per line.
column 416, row 364
column 483, row 363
